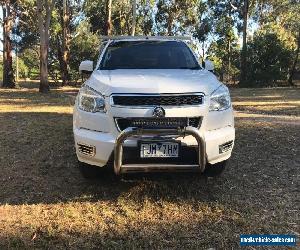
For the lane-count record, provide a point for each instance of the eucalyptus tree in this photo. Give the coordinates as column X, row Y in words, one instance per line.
column 28, row 29
column 224, row 20
column 133, row 17
column 175, row 17
column 44, row 12
column 145, row 17
column 108, row 25
column 118, row 16
column 204, row 26
column 9, row 15
column 27, row 33
column 58, row 43
column 66, row 36
column 122, row 17
column 62, row 28
column 84, row 45
column 270, row 60
column 99, row 13
column 282, row 17
column 244, row 48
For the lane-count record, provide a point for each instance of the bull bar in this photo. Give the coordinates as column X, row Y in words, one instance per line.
column 119, row 168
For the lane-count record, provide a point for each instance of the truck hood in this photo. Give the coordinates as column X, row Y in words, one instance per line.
column 150, row 81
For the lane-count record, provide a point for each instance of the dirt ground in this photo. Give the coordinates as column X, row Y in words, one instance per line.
column 46, row 203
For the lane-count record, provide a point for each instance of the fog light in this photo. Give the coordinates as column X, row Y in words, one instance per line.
column 86, row 149
column 225, row 147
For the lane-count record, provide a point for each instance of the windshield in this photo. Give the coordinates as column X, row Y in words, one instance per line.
column 148, row 55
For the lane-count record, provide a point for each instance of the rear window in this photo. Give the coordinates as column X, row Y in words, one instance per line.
column 148, row 55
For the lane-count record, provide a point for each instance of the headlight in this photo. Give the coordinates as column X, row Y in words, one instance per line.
column 220, row 99
column 90, row 100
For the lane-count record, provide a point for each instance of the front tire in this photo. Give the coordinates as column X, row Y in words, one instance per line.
column 213, row 170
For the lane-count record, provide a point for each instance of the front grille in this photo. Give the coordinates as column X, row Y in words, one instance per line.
column 157, row 123
column 86, row 149
column 157, row 100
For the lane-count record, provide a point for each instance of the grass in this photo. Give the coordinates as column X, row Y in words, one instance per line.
column 272, row 101
column 45, row 203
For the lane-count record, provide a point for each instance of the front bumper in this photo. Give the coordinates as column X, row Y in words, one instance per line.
column 105, row 143
column 136, row 132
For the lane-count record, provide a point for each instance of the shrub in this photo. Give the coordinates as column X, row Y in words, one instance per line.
column 268, row 60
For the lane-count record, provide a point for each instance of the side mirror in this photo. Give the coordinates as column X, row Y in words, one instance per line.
column 86, row 67
column 209, row 65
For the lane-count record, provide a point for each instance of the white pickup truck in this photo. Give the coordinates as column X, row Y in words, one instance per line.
column 149, row 106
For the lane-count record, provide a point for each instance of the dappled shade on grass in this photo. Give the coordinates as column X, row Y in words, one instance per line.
column 45, row 202
column 270, row 101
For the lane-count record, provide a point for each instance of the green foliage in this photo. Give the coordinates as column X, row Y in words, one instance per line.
column 22, row 68
column 176, row 17
column 30, row 57
column 281, row 17
column 85, row 46
column 27, row 29
column 268, row 60
column 95, row 12
column 226, row 62
column 145, row 20
column 215, row 24
column 223, row 21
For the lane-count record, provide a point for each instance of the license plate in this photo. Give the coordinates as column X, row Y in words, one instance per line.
column 159, row 149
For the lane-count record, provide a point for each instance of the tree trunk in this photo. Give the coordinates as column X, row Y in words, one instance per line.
column 203, row 54
column 229, row 61
column 44, row 23
column 60, row 56
column 17, row 64
column 293, row 69
column 65, row 43
column 44, row 83
column 229, row 48
column 133, row 17
column 170, row 24
column 8, row 74
column 222, row 71
column 108, row 20
column 244, row 49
